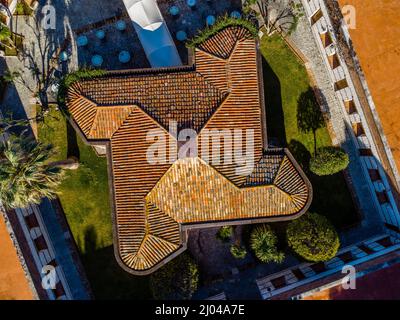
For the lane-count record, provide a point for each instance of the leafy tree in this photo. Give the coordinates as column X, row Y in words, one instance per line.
column 225, row 233
column 24, row 175
column 313, row 237
column 177, row 280
column 238, row 251
column 264, row 243
column 329, row 160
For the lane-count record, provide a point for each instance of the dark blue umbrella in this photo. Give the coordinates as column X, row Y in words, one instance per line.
column 120, row 25
column 174, row 10
column 235, row 14
column 97, row 60
column 181, row 35
column 124, row 56
column 82, row 41
column 100, row 34
column 191, row 3
column 210, row 20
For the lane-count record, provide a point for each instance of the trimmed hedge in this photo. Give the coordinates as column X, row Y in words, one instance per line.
column 264, row 243
column 221, row 23
column 177, row 280
column 328, row 161
column 313, row 237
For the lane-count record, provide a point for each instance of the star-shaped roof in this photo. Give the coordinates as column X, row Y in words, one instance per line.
column 154, row 203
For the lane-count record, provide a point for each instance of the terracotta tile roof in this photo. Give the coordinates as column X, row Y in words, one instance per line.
column 223, row 43
column 192, row 191
column 186, row 96
column 154, row 203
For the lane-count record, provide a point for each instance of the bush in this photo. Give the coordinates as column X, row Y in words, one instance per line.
column 329, row 160
column 221, row 23
column 238, row 251
column 78, row 75
column 264, row 243
column 313, row 237
column 225, row 233
column 177, row 280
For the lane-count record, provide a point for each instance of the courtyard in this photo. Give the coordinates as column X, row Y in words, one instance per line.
column 91, row 222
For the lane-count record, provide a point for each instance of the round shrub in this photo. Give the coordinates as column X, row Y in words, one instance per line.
column 313, row 237
column 238, row 251
column 177, row 280
column 225, row 233
column 329, row 160
column 264, row 243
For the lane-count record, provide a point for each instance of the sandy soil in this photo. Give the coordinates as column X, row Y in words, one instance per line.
column 377, row 43
column 13, row 283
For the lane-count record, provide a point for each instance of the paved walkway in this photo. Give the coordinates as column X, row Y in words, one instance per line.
column 19, row 101
column 371, row 222
column 13, row 282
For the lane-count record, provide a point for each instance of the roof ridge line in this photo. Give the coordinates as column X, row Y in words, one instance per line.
column 212, row 55
column 162, row 239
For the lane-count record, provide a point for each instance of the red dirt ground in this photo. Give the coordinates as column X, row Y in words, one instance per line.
column 13, row 283
column 377, row 42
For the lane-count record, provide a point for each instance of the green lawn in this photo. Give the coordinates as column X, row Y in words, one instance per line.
column 285, row 79
column 84, row 195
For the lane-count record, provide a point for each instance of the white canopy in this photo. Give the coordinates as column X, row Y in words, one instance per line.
column 153, row 33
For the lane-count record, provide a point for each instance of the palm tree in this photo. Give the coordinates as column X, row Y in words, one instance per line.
column 25, row 174
column 263, row 241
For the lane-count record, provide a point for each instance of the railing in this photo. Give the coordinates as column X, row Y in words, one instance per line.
column 353, row 112
column 306, row 273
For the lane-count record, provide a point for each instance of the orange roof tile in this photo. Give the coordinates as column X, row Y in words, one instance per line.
column 154, row 203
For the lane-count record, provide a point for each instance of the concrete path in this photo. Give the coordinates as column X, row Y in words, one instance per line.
column 371, row 223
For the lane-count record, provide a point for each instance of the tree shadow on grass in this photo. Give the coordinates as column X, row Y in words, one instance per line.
column 107, row 279
column 309, row 115
column 331, row 196
column 273, row 105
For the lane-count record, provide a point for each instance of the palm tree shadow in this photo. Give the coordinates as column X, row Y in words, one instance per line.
column 273, row 105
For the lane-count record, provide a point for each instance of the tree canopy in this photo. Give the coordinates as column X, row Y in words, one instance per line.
column 313, row 237
column 177, row 280
column 329, row 160
column 25, row 176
